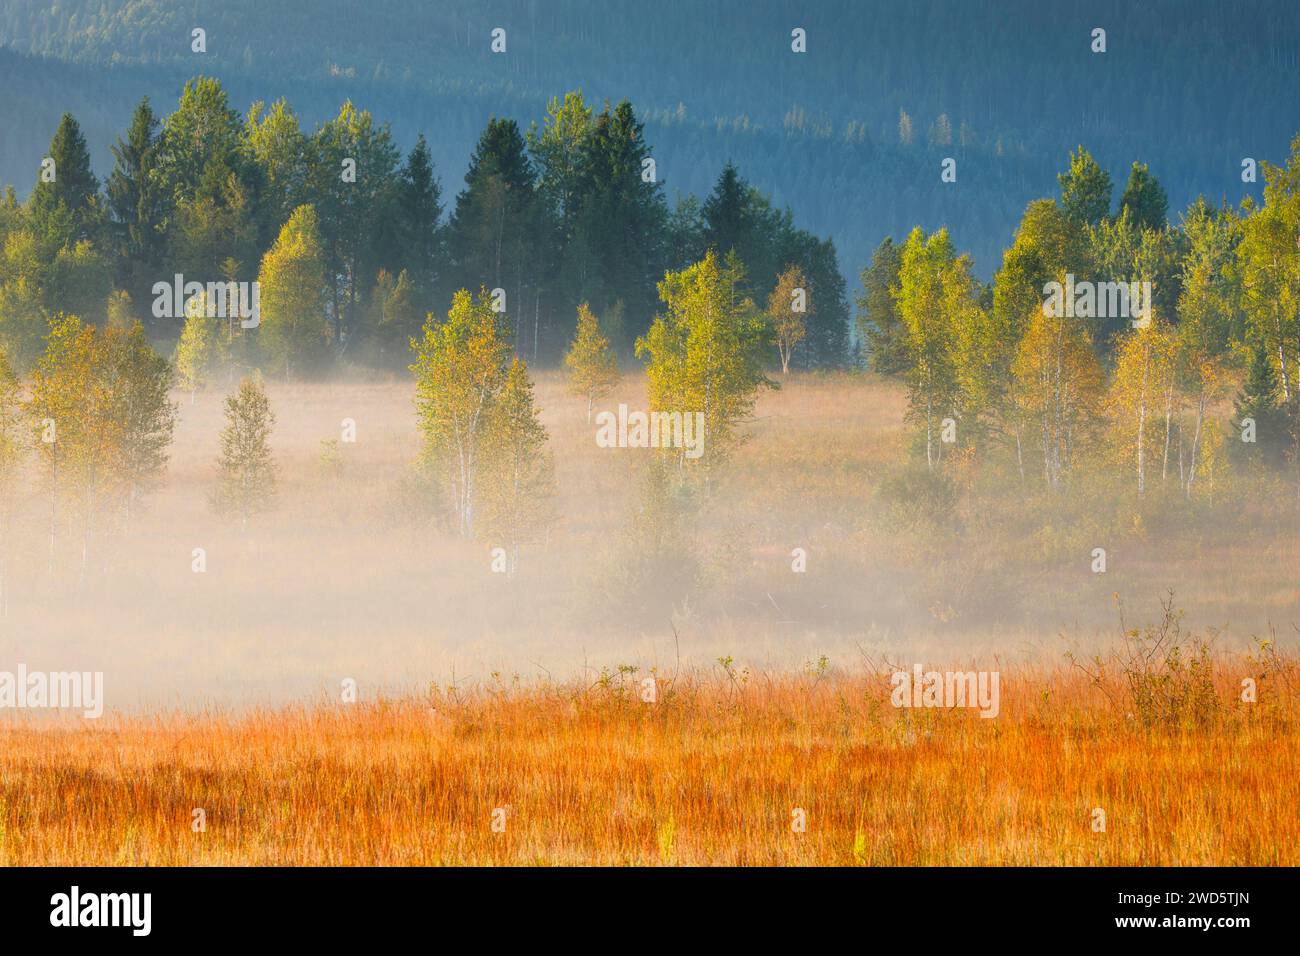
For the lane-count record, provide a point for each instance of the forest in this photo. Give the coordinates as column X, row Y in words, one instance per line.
column 565, row 212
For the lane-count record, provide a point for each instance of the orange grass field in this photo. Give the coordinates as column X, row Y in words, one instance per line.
column 710, row 773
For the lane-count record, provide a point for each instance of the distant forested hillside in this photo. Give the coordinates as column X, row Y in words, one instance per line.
column 1187, row 86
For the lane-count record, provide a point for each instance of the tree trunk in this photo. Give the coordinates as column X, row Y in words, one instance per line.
column 1169, row 408
column 1142, row 423
column 929, row 437
column 1196, row 442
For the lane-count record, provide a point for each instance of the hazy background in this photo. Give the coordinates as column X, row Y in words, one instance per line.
column 1189, row 87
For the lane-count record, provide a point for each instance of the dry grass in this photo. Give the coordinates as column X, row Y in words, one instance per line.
column 709, row 774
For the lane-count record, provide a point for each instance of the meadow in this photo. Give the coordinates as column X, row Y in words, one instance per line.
column 799, row 769
column 480, row 693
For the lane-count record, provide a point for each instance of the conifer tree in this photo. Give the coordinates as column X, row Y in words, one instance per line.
column 1258, row 402
column 880, row 331
column 65, row 209
column 137, row 206
column 1085, row 190
column 420, row 209
column 1144, row 198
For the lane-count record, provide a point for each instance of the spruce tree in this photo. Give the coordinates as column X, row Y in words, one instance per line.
column 1258, row 400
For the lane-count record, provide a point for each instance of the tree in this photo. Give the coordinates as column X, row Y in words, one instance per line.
column 941, row 131
column 460, row 366
column 905, row 133
column 420, row 209
column 283, row 155
column 246, row 484
column 1046, row 245
column 593, row 370
column 1206, row 312
column 1057, row 391
column 919, row 297
column 22, row 321
column 356, row 189
column 787, row 310
column 78, row 435
column 685, row 242
column 137, row 205
column 1269, row 263
column 881, row 332
column 1143, row 367
column 560, row 153
column 203, row 133
column 494, row 230
column 728, row 219
column 1144, row 199
column 519, row 479
column 1085, row 189
column 79, row 281
column 1257, row 401
column 826, row 344
column 622, row 215
column 216, row 224
column 294, row 332
column 138, row 382
column 400, row 316
column 199, row 347
column 705, row 355
column 13, row 447
column 65, row 210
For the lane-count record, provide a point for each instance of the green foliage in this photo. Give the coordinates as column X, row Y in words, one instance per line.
column 138, row 383
column 1144, row 199
column 246, row 483
column 66, row 210
column 1085, row 189
column 592, row 368
column 198, row 352
column 460, row 366
column 705, row 355
column 293, row 332
column 1259, row 400
column 518, row 485
column 882, row 333
column 138, row 206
